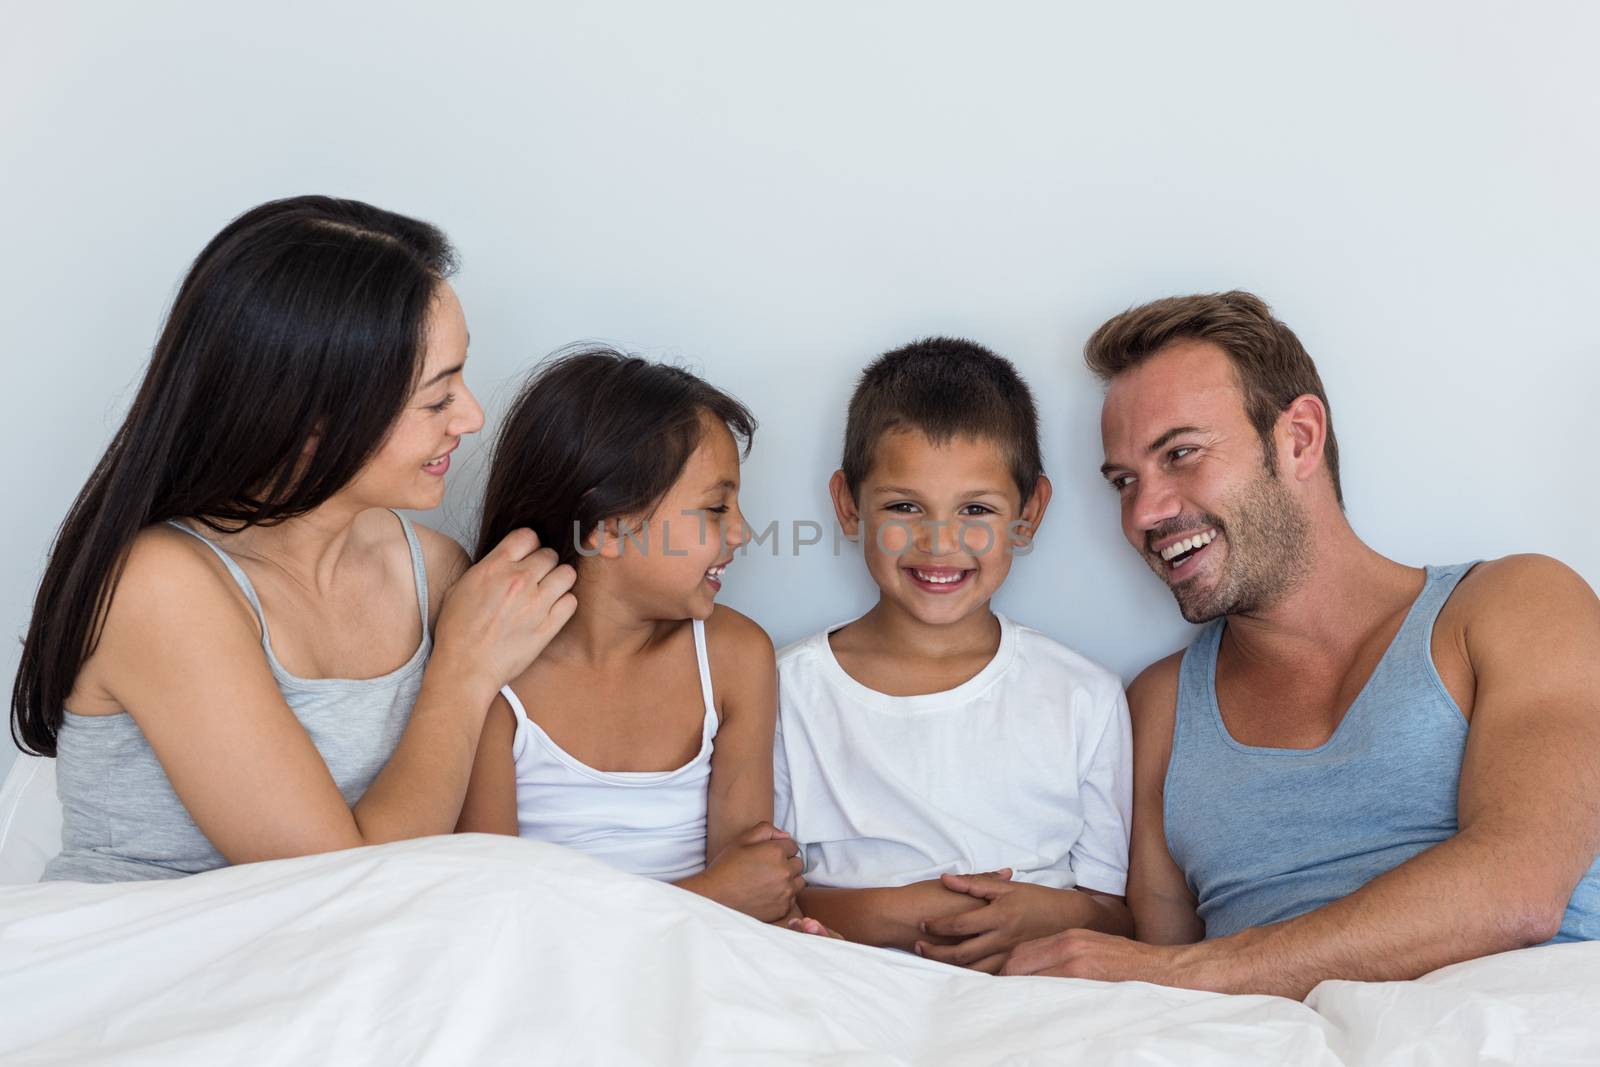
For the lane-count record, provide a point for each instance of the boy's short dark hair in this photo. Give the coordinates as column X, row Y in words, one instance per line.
column 944, row 387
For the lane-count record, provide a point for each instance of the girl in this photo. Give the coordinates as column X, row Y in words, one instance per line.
column 229, row 655
column 643, row 734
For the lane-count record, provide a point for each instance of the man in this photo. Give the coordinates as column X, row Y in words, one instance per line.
column 1359, row 769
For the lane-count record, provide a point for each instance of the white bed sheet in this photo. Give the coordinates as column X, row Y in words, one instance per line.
column 477, row 949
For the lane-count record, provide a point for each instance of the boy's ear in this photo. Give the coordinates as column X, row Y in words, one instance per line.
column 844, row 505
column 1033, row 510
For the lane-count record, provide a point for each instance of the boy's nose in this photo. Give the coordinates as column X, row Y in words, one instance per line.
column 939, row 537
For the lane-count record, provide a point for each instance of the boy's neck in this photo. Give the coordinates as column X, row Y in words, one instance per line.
column 896, row 632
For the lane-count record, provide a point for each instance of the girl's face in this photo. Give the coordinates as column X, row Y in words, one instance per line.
column 408, row 469
column 671, row 564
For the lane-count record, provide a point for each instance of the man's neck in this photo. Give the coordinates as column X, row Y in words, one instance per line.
column 1347, row 590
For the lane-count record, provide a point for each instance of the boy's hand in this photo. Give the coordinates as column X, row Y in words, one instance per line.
column 1015, row 912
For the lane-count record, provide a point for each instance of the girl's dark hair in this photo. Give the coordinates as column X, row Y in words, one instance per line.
column 302, row 316
column 596, row 434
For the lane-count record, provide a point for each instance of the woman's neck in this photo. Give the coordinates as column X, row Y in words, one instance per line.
column 308, row 548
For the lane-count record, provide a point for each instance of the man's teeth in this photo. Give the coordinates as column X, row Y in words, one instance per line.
column 939, row 579
column 1187, row 545
column 716, row 572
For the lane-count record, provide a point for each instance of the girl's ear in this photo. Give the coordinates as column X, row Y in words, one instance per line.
column 611, row 537
column 601, row 540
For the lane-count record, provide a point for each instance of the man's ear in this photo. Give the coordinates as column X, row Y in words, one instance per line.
column 844, row 505
column 1303, row 432
column 1033, row 510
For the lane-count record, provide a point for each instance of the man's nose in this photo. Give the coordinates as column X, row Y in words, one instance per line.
column 1154, row 502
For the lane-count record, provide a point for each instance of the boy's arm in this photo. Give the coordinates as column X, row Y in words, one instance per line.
column 490, row 806
column 886, row 916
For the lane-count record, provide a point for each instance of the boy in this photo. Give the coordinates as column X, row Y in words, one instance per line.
column 932, row 737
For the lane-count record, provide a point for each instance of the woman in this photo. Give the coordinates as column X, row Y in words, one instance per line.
column 229, row 655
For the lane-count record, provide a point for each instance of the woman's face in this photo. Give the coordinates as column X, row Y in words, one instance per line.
column 408, row 470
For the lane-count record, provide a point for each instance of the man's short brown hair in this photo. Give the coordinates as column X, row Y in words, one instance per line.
column 1268, row 359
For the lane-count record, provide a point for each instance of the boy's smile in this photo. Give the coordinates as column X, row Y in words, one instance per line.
column 936, row 523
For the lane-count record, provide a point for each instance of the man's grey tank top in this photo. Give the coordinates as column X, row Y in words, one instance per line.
column 1266, row 834
column 121, row 820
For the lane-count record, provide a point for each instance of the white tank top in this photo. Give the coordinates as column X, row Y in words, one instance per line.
column 645, row 822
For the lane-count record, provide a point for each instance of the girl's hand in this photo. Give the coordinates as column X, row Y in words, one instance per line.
column 807, row 925
column 758, row 874
column 504, row 610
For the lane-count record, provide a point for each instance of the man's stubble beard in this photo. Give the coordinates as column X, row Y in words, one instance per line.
column 1268, row 554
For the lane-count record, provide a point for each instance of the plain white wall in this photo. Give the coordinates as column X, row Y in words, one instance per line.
column 776, row 194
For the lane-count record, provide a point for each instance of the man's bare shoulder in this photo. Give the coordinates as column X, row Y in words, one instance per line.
column 1520, row 590
column 1155, row 691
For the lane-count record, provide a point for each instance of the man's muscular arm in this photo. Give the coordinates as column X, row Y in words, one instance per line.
column 1529, row 822
column 1158, row 895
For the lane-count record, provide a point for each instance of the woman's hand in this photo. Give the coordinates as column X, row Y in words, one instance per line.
column 504, row 610
column 758, row 874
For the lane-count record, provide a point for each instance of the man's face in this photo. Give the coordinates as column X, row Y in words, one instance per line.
column 1198, row 503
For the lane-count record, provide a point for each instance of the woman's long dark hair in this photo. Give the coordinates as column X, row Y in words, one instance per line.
column 596, row 434
column 303, row 316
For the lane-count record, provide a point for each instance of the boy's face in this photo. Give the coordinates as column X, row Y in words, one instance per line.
column 938, row 523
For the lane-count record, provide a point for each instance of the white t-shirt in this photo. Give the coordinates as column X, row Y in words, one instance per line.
column 1027, row 765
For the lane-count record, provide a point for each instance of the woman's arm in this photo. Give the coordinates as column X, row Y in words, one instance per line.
column 491, row 802
column 182, row 654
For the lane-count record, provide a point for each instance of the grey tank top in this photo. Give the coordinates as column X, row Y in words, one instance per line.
column 1266, row 834
column 121, row 820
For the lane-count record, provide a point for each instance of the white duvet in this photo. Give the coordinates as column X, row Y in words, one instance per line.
column 480, row 949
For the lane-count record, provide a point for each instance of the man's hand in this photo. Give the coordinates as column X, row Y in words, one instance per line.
column 1106, row 958
column 1015, row 912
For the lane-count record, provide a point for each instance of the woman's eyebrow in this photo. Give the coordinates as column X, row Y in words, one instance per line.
column 442, row 375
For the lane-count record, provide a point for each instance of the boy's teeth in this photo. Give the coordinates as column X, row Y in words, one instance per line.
column 940, row 579
column 1187, row 544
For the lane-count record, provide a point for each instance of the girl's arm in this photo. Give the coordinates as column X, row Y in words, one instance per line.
column 751, row 866
column 181, row 653
column 491, row 803
column 886, row 916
